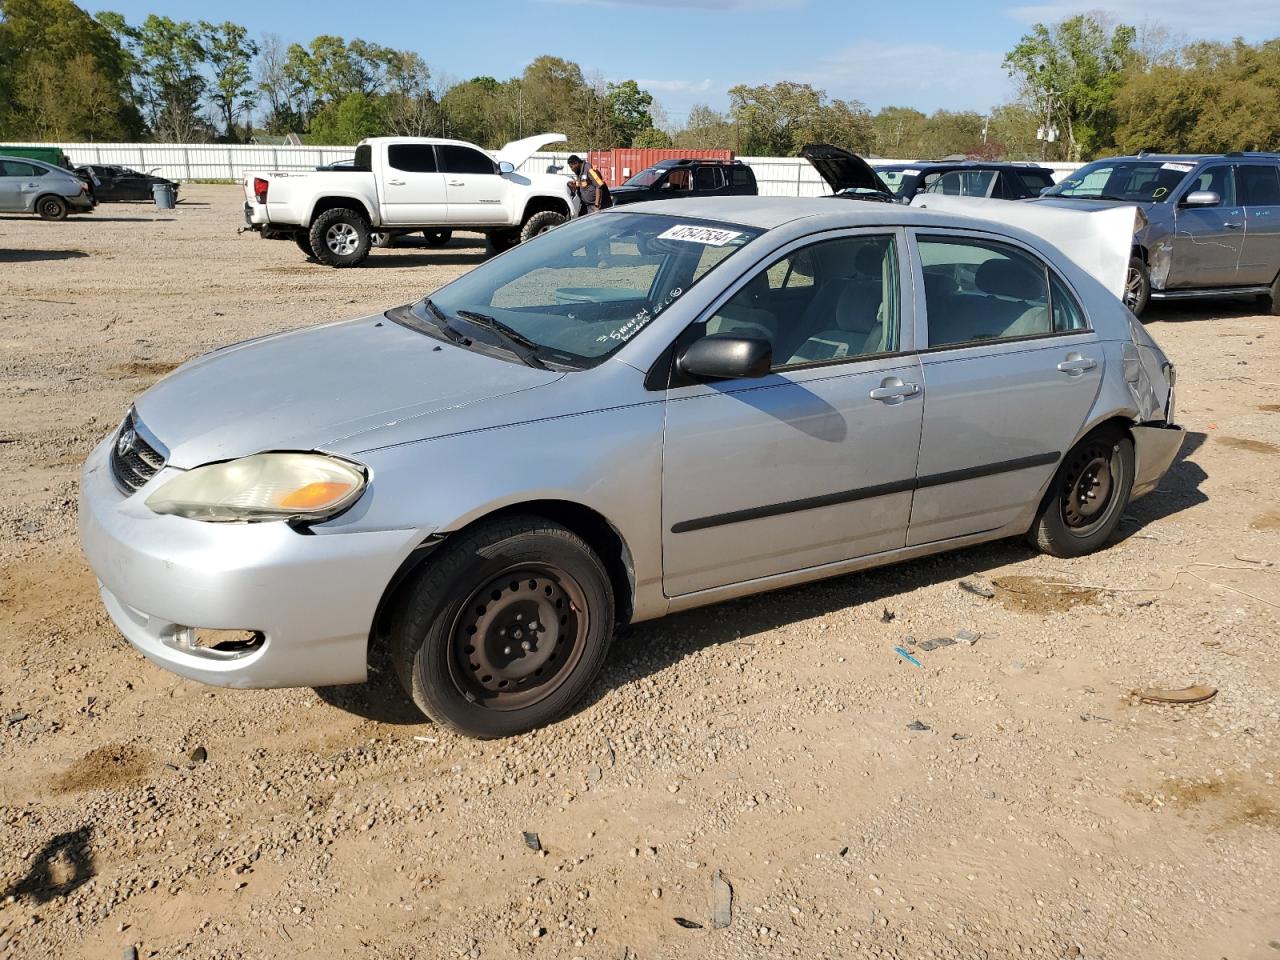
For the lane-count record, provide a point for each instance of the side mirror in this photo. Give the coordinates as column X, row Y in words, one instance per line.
column 1201, row 198
column 725, row 356
column 505, row 167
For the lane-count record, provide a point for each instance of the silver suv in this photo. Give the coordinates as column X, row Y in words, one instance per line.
column 1212, row 224
column 32, row 186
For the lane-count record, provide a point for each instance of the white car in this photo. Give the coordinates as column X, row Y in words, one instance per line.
column 399, row 185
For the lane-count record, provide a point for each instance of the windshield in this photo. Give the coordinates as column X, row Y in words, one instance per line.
column 580, row 291
column 645, row 178
column 895, row 180
column 1130, row 181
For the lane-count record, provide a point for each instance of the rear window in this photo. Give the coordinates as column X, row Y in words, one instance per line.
column 410, row 157
column 364, row 158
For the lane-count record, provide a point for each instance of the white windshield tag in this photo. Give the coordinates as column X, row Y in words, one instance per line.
column 710, row 236
column 911, row 173
column 1180, row 167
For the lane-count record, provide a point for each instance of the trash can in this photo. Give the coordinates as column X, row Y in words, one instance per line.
column 165, row 195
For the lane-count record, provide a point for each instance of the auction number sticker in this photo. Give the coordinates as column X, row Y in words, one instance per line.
column 1180, row 167
column 710, row 236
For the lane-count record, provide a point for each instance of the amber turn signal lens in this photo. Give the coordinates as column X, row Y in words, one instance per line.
column 313, row 495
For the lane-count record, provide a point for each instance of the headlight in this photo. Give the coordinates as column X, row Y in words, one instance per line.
column 265, row 486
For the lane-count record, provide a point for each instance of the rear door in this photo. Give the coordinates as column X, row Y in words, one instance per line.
column 23, row 182
column 1259, row 185
column 1011, row 371
column 476, row 191
column 1207, row 240
column 9, row 180
column 708, row 181
column 413, row 190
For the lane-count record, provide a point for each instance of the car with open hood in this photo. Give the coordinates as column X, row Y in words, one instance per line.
column 998, row 179
column 117, row 184
column 746, row 393
column 1210, row 224
column 847, row 174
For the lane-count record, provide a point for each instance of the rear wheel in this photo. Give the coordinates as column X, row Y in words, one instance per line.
column 503, row 240
column 1137, row 286
column 1271, row 301
column 1087, row 496
column 437, row 238
column 382, row 239
column 303, row 241
column 505, row 628
column 541, row 222
column 51, row 208
column 340, row 238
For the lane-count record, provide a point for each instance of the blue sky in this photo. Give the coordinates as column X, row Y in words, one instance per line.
column 928, row 54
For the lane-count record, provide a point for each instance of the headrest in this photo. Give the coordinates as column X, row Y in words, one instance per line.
column 869, row 260
column 858, row 305
column 1009, row 278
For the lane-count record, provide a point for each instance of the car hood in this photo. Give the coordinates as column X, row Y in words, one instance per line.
column 841, row 169
column 518, row 151
column 1068, row 203
column 625, row 194
column 321, row 388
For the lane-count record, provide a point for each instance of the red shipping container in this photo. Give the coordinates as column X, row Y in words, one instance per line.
column 618, row 164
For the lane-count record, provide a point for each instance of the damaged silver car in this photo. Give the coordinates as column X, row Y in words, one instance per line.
column 640, row 412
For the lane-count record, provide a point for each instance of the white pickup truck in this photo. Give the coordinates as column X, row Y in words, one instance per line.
column 399, row 185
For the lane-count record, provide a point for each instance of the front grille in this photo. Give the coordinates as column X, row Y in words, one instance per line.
column 134, row 459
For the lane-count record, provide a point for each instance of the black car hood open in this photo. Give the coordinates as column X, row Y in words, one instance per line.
column 843, row 170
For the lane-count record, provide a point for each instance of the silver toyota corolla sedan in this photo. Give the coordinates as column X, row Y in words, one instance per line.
column 646, row 410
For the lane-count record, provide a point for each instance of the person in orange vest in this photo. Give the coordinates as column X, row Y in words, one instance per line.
column 592, row 190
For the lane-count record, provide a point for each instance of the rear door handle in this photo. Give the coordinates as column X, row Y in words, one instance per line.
column 893, row 390
column 456, row 183
column 395, row 183
column 1075, row 365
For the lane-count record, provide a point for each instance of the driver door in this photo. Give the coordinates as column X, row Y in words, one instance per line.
column 1207, row 240
column 476, row 191
column 813, row 463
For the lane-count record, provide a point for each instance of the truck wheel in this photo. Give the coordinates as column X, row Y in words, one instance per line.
column 437, row 238
column 340, row 238
column 1137, row 286
column 505, row 628
column 51, row 208
column 503, row 240
column 1087, row 496
column 541, row 222
column 303, row 239
column 381, row 239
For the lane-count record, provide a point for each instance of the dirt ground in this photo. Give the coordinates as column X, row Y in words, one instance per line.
column 1006, row 798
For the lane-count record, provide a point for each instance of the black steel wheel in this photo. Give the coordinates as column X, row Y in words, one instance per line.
column 1087, row 496
column 437, row 238
column 51, row 208
column 504, row 627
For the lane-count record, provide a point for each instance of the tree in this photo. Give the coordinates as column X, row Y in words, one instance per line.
column 948, row 134
column 898, row 132
column 779, row 120
column 472, row 111
column 409, row 105
column 1071, row 73
column 349, row 120
column 168, row 58
column 230, row 52
column 62, row 74
column 653, row 137
column 629, row 109
column 706, row 129
column 285, row 113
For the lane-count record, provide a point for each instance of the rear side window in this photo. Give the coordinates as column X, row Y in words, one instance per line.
column 16, row 168
column 1259, row 185
column 1067, row 315
column 1034, row 182
column 410, row 157
column 743, row 177
column 707, row 178
column 455, row 159
column 983, row 290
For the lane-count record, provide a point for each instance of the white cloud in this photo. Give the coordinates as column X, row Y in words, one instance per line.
column 678, row 86
column 1252, row 19
column 923, row 75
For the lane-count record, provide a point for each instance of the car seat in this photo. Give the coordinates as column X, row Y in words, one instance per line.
column 847, row 315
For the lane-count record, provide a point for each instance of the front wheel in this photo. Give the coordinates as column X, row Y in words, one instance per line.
column 1087, row 496
column 1137, row 286
column 437, row 238
column 541, row 222
column 51, row 208
column 340, row 237
column 1271, row 301
column 505, row 628
column 502, row 240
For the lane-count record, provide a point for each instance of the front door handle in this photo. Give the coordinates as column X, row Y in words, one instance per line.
column 395, row 183
column 1233, row 226
column 1075, row 365
column 456, row 183
column 893, row 390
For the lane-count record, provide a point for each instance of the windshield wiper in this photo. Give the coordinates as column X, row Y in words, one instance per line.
column 517, row 342
column 442, row 323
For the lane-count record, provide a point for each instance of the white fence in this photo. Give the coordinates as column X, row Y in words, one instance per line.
column 777, row 176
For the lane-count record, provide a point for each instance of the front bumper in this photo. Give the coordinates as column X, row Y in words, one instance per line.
column 1155, row 446
column 311, row 596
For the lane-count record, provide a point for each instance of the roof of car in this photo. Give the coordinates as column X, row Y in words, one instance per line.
column 690, row 161
column 962, row 164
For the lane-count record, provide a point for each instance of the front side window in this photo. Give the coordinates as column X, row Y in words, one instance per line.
column 581, row 291
column 1259, row 185
column 410, row 157
column 1033, row 183
column 677, row 179
column 16, row 168
column 1219, row 179
column 963, row 183
column 979, row 290
column 645, row 178
column 456, row 159
column 829, row 301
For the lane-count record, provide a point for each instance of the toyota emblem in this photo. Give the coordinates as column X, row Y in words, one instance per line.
column 124, row 443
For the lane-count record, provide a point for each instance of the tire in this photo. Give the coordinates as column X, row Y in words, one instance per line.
column 381, row 239
column 51, row 208
column 1137, row 286
column 541, row 222
column 1101, row 465
column 501, row 241
column 340, row 237
column 303, row 239
column 465, row 593
column 437, row 238
column 1271, row 301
